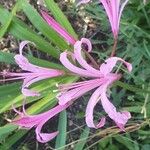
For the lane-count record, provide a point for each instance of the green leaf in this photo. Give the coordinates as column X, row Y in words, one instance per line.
column 13, row 94
column 6, row 129
column 44, row 63
column 42, row 26
column 60, row 17
column 130, row 87
column 13, row 139
column 44, row 103
column 127, row 142
column 21, row 31
column 62, row 128
column 5, row 26
column 8, row 58
column 82, row 141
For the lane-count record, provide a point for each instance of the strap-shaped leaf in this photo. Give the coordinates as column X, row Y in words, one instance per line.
column 82, row 141
column 42, row 26
column 8, row 58
column 23, row 32
column 62, row 128
column 5, row 26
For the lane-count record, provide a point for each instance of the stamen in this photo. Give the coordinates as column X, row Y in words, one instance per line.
column 11, row 79
column 15, row 110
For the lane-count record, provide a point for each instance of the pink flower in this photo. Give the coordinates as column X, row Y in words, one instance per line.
column 37, row 121
column 34, row 73
column 58, row 28
column 100, row 79
column 114, row 10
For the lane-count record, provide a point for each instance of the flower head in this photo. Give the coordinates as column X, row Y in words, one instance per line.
column 37, row 121
column 34, row 73
column 100, row 79
column 114, row 10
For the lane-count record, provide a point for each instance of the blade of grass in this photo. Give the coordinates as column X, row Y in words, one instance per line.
column 8, row 58
column 5, row 26
column 82, row 141
column 62, row 128
column 130, row 87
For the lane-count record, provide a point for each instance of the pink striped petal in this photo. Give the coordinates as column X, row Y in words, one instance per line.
column 121, row 10
column 82, row 72
column 120, row 118
column 44, row 137
column 38, row 121
column 81, row 60
column 75, row 92
column 90, row 108
column 34, row 74
column 108, row 9
column 114, row 10
column 110, row 63
column 58, row 28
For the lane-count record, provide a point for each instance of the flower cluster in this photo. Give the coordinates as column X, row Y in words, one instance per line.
column 98, row 79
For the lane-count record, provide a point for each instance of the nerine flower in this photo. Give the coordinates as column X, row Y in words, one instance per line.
column 37, row 121
column 114, row 10
column 100, row 80
column 58, row 28
column 34, row 73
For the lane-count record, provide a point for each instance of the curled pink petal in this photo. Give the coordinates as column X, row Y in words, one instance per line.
column 82, row 72
column 120, row 118
column 80, row 59
column 110, row 63
column 37, row 121
column 27, row 92
column 88, row 43
column 90, row 108
column 22, row 45
column 58, row 28
column 44, row 137
column 121, row 10
column 34, row 74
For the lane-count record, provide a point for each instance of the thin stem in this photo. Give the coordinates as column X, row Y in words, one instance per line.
column 92, row 60
column 114, row 47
